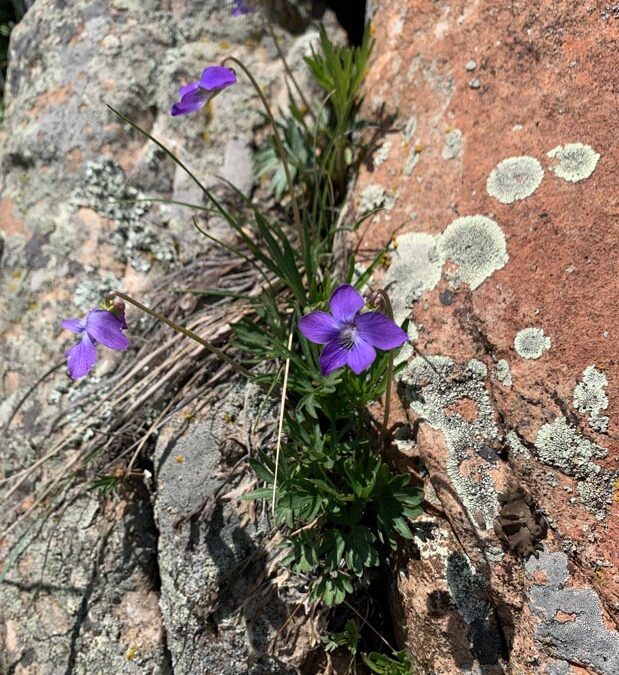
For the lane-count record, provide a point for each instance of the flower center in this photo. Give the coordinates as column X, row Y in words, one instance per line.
column 348, row 336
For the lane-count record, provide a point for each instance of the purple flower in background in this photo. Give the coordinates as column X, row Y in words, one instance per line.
column 242, row 7
column 195, row 95
column 350, row 338
column 99, row 325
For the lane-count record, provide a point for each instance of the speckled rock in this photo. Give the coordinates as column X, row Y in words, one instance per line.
column 516, row 413
column 223, row 598
column 69, row 233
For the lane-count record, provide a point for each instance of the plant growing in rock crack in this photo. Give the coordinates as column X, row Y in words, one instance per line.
column 340, row 507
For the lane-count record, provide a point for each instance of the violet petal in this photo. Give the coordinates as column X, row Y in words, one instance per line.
column 333, row 357
column 380, row 331
column 74, row 325
column 361, row 356
column 217, row 77
column 319, row 327
column 188, row 88
column 106, row 328
column 345, row 302
column 190, row 102
column 241, row 7
column 81, row 357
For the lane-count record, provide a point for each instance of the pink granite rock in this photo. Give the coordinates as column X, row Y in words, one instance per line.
column 500, row 172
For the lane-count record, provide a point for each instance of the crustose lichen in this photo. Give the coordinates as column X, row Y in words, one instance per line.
column 590, row 397
column 477, row 245
column 514, row 178
column 531, row 343
column 576, row 161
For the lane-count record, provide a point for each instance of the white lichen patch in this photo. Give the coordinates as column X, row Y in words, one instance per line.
column 411, row 161
column 477, row 368
column 586, row 637
column 561, row 445
column 590, row 398
column 136, row 242
column 410, row 128
column 407, row 349
column 576, row 161
column 516, row 446
column 432, row 390
column 414, row 269
column 502, row 372
column 381, row 155
column 514, row 178
column 431, row 539
column 372, row 197
column 453, row 144
column 531, row 343
column 477, row 245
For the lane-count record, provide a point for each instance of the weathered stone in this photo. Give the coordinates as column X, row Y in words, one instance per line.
column 551, row 396
column 221, row 602
column 70, row 233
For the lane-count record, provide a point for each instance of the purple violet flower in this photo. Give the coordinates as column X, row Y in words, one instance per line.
column 99, row 325
column 350, row 338
column 242, row 7
column 196, row 95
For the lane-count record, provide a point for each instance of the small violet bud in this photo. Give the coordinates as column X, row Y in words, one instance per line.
column 196, row 95
column 242, row 7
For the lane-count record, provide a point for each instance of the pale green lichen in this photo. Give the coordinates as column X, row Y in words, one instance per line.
column 590, row 397
column 559, row 444
column 576, row 161
column 502, row 372
column 381, row 155
column 432, row 388
column 477, row 368
column 531, row 343
column 414, row 269
column 453, row 144
column 514, row 178
column 373, row 197
column 597, row 491
column 477, row 245
column 516, row 446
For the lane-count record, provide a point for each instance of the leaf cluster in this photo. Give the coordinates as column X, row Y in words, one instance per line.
column 396, row 664
column 338, row 503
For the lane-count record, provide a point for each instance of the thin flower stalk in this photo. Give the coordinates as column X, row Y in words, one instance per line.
column 186, row 332
column 280, row 149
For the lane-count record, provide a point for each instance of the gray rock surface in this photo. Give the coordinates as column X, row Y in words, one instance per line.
column 221, row 605
column 81, row 585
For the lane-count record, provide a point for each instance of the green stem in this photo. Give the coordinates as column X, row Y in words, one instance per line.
column 280, row 148
column 185, row 331
column 280, row 53
column 389, row 309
